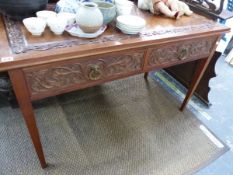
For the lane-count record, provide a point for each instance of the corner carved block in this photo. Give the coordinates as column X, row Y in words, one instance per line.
column 189, row 49
column 50, row 78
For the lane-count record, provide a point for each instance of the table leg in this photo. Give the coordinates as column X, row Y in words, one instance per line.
column 146, row 75
column 203, row 63
column 22, row 95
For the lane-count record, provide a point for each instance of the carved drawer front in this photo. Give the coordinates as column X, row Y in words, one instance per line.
column 53, row 77
column 174, row 52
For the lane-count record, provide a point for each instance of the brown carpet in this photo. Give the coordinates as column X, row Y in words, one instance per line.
column 126, row 127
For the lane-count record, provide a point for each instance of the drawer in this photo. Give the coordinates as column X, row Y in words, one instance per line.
column 163, row 55
column 54, row 78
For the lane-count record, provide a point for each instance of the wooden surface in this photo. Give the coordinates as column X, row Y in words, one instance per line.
column 45, row 66
column 158, row 30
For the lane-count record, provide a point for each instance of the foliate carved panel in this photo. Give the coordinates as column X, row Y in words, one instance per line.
column 53, row 77
column 198, row 48
column 20, row 43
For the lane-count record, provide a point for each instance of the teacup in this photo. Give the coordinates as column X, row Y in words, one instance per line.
column 57, row 25
column 46, row 14
column 124, row 7
column 70, row 17
column 124, row 10
column 124, row 3
column 34, row 25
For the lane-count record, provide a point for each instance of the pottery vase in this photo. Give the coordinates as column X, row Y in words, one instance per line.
column 89, row 17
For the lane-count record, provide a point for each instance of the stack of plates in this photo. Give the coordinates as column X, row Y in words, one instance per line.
column 130, row 24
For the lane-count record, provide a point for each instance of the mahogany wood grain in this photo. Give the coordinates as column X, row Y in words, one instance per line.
column 65, row 76
column 22, row 95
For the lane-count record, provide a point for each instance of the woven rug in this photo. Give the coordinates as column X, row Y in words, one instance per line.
column 125, row 127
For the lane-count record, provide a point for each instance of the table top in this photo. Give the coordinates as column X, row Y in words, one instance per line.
column 20, row 49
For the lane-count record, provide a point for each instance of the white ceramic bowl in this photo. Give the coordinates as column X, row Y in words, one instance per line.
column 108, row 10
column 123, row 11
column 70, row 17
column 124, row 3
column 46, row 14
column 34, row 25
column 129, row 30
column 129, row 27
column 131, row 21
column 57, row 25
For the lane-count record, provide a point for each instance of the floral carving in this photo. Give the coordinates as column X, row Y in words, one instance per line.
column 179, row 51
column 80, row 72
column 19, row 43
column 15, row 36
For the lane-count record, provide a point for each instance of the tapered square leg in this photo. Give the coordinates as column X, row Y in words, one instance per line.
column 22, row 95
column 197, row 77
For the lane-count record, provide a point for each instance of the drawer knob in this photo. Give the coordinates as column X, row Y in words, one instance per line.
column 95, row 72
column 183, row 53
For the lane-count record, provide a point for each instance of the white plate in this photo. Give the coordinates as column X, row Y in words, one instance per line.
column 129, row 28
column 128, row 32
column 74, row 30
column 131, row 20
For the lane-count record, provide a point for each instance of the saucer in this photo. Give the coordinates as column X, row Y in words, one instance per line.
column 74, row 30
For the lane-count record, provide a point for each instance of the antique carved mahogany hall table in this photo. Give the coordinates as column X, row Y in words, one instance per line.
column 49, row 65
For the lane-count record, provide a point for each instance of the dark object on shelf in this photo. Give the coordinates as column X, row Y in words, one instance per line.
column 184, row 72
column 5, row 84
column 5, row 90
column 7, row 95
column 229, row 47
column 211, row 8
column 21, row 9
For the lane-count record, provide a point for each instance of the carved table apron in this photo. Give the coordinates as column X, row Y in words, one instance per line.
column 45, row 66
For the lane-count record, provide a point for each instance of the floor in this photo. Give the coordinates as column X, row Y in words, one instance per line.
column 218, row 117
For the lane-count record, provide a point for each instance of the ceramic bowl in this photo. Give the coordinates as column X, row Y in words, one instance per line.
column 131, row 21
column 124, row 7
column 46, row 14
column 57, row 25
column 70, row 17
column 34, row 25
column 124, row 3
column 127, row 30
column 108, row 10
column 123, row 11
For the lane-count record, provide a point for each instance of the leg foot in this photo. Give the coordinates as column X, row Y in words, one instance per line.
column 146, row 75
